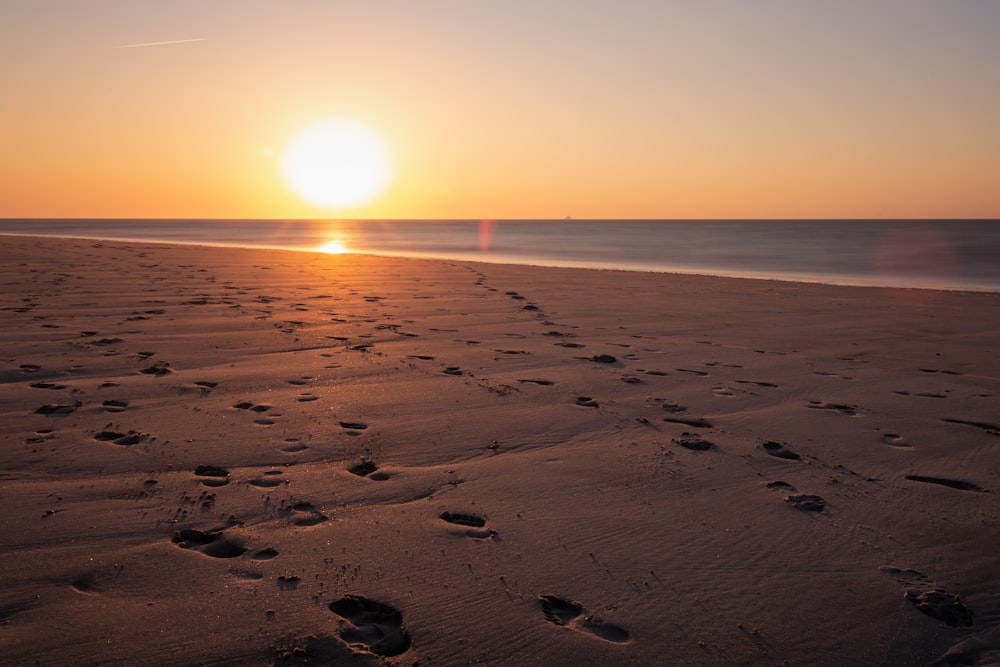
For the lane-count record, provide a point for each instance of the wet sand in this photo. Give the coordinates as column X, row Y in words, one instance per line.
column 230, row 456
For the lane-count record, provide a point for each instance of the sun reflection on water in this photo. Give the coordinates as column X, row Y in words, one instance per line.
column 333, row 248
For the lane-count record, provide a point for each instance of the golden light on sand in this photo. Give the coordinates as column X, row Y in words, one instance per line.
column 337, row 164
column 333, row 248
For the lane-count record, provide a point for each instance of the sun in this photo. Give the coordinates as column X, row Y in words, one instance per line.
column 337, row 164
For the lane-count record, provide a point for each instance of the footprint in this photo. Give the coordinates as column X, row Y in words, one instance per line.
column 544, row 383
column 371, row 626
column 806, row 503
column 475, row 523
column 587, row 402
column 306, row 398
column 264, row 554
column 930, row 599
column 833, row 375
column 694, row 442
column 603, row 359
column 836, row 407
column 366, row 468
column 41, row 435
column 269, row 481
column 571, row 615
column 212, row 543
column 692, row 372
column 294, row 448
column 157, row 369
column 46, row 385
column 689, row 421
column 992, row 429
column 895, row 440
column 252, row 407
column 114, row 406
column 452, row 370
column 779, row 450
column 769, row 385
column 961, row 485
column 58, row 408
column 212, row 475
column 121, row 439
column 313, row 517
column 103, row 342
column 353, row 428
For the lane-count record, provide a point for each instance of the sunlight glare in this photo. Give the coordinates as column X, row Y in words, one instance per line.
column 333, row 248
column 337, row 164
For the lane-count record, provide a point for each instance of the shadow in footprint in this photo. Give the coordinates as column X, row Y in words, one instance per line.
column 267, row 482
column 212, row 475
column 693, row 422
column 212, row 543
column 780, row 451
column 58, row 408
column 353, row 428
column 806, row 502
column 121, row 439
column 693, row 441
column 366, row 468
column 895, row 440
column 371, row 626
column 842, row 408
column 959, row 484
column 312, row 516
column 475, row 523
column 571, row 615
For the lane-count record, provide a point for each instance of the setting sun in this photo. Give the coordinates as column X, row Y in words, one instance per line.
column 337, row 164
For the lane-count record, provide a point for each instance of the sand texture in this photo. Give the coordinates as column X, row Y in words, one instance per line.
column 227, row 457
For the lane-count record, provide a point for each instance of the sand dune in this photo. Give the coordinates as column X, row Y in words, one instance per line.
column 227, row 456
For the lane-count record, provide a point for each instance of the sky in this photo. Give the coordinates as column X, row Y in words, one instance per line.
column 515, row 109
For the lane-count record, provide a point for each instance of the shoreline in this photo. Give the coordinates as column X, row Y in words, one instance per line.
column 829, row 280
column 240, row 456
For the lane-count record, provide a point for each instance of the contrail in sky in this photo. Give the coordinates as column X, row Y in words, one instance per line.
column 173, row 41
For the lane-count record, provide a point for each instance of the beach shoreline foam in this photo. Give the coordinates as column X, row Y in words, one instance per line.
column 233, row 456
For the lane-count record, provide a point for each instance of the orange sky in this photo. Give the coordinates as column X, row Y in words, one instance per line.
column 721, row 109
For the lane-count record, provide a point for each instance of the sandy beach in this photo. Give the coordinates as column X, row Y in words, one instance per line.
column 220, row 456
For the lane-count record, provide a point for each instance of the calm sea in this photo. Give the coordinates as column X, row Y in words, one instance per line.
column 939, row 254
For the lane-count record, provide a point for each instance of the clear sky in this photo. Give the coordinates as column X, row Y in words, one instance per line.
column 514, row 109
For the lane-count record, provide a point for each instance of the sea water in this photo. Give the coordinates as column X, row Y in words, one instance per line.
column 937, row 254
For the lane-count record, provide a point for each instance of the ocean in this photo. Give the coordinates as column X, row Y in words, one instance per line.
column 930, row 254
